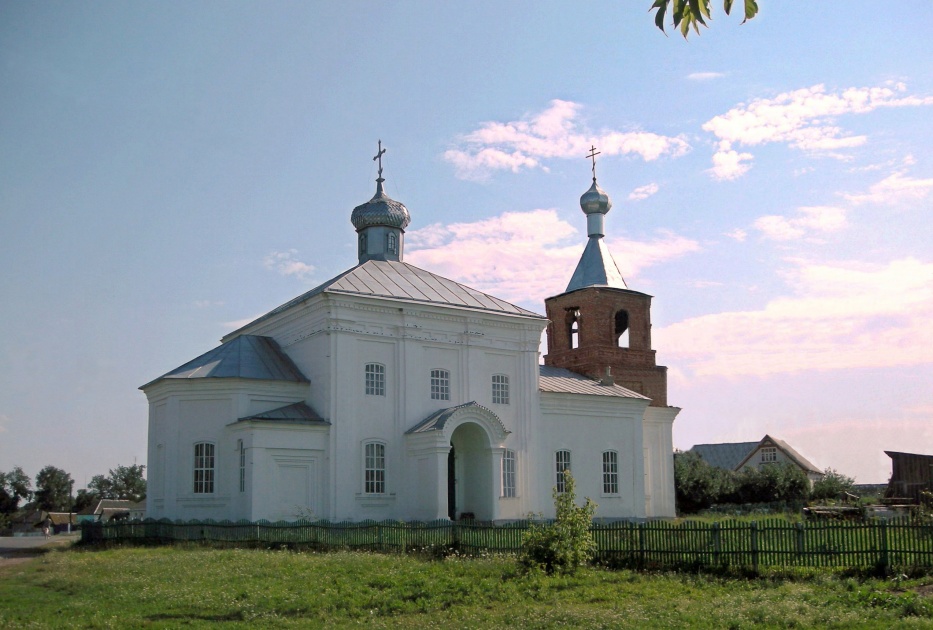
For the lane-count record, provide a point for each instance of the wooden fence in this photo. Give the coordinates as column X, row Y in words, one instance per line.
column 883, row 545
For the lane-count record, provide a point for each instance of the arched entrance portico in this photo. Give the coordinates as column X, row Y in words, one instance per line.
column 471, row 463
column 467, row 442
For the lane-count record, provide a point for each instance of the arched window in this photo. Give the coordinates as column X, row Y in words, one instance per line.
column 621, row 328
column 562, row 463
column 574, row 328
column 362, row 243
column 440, row 385
column 392, row 243
column 508, row 473
column 374, row 468
column 500, row 389
column 610, row 472
column 375, row 379
column 203, row 468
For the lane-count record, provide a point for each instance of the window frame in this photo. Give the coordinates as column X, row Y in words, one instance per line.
column 610, row 472
column 374, row 468
column 769, row 455
column 205, row 465
column 500, row 389
column 509, row 474
column 374, row 379
column 562, row 461
column 440, row 384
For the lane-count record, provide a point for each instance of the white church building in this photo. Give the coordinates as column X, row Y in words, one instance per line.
column 389, row 392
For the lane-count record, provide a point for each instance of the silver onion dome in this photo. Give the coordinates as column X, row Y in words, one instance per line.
column 380, row 210
column 595, row 200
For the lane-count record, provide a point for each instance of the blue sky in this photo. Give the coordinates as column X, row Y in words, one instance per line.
column 170, row 170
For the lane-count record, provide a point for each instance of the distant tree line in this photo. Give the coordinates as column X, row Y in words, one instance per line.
column 699, row 486
column 53, row 490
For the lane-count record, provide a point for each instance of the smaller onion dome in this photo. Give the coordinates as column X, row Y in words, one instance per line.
column 380, row 210
column 595, row 200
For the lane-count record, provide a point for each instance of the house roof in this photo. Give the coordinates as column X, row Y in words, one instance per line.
column 298, row 413
column 726, row 456
column 555, row 379
column 401, row 281
column 733, row 456
column 245, row 356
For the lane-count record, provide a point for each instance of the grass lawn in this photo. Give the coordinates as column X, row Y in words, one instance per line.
column 203, row 587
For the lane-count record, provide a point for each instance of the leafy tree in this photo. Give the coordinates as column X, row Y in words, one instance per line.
column 567, row 543
column 53, row 489
column 770, row 484
column 831, row 485
column 14, row 486
column 687, row 14
column 122, row 482
column 697, row 485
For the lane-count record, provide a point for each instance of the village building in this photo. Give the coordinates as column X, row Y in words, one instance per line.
column 389, row 392
column 738, row 456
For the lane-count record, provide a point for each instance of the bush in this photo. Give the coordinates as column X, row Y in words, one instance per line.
column 831, row 485
column 698, row 485
column 566, row 544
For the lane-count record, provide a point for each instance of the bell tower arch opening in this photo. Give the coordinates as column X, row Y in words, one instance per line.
column 621, row 329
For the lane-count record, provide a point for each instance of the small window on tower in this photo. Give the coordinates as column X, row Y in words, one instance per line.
column 362, row 243
column 575, row 329
column 392, row 243
column 622, row 336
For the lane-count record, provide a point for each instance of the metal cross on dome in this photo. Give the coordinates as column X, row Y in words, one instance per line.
column 592, row 156
column 379, row 157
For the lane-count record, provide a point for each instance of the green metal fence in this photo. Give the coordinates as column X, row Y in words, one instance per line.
column 887, row 545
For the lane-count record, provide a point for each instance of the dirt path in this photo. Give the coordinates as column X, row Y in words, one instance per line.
column 15, row 551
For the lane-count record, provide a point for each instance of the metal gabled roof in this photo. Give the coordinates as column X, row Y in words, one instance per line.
column 298, row 413
column 437, row 420
column 726, row 456
column 245, row 356
column 596, row 268
column 560, row 380
column 401, row 281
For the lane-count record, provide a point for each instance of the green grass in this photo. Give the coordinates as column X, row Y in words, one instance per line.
column 203, row 587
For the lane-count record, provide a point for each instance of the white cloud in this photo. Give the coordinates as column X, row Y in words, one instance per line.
column 812, row 219
column 705, row 76
column 643, row 192
column 838, row 316
column 894, row 189
column 526, row 256
column 4, row 422
column 286, row 264
column 738, row 234
column 804, row 119
column 555, row 133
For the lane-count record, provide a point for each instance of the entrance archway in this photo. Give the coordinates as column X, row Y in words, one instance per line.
column 470, row 473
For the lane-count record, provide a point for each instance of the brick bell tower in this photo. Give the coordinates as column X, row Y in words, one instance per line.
column 598, row 326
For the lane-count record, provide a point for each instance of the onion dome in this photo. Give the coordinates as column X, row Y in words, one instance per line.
column 381, row 210
column 595, row 200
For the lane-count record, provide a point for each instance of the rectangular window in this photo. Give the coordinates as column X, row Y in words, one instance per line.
column 610, row 472
column 375, row 379
column 242, row 465
column 375, row 468
column 768, row 455
column 508, row 473
column 562, row 460
column 203, row 468
column 500, row 389
column 440, row 385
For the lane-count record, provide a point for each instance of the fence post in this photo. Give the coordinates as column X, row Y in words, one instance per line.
column 717, row 543
column 754, row 525
column 884, row 547
column 799, row 537
column 641, row 546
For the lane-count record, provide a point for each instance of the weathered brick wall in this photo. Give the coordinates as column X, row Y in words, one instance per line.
column 595, row 312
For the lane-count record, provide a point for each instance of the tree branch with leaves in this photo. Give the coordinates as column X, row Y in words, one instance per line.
column 687, row 14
